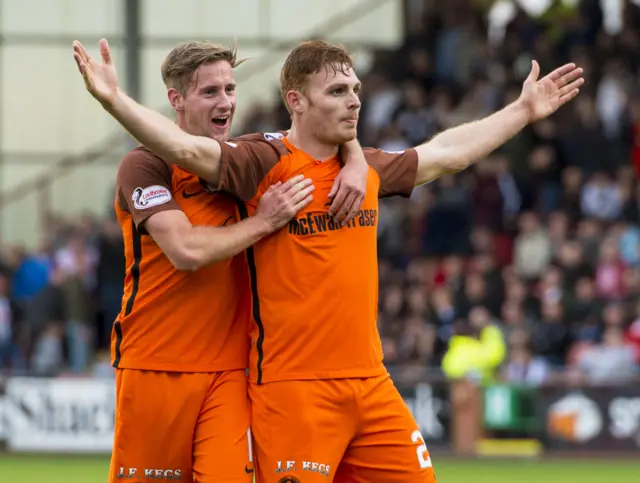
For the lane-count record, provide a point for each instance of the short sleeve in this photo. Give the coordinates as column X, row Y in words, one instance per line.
column 144, row 185
column 246, row 161
column 397, row 170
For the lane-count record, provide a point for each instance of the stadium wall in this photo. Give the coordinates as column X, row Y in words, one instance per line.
column 48, row 116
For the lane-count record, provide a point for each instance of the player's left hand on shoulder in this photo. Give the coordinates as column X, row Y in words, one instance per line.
column 348, row 191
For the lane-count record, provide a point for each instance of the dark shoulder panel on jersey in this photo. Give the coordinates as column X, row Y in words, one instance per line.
column 246, row 160
column 397, row 170
column 144, row 186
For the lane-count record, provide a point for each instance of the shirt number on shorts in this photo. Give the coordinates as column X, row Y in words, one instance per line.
column 421, row 451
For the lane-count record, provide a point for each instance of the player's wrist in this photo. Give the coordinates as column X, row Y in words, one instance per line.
column 521, row 111
column 352, row 154
column 115, row 101
column 261, row 224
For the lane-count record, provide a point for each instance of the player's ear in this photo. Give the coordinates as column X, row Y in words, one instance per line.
column 176, row 99
column 296, row 101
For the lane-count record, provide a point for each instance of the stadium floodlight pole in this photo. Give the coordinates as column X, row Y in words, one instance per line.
column 132, row 25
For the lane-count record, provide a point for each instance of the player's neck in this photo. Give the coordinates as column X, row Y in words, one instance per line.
column 182, row 123
column 311, row 145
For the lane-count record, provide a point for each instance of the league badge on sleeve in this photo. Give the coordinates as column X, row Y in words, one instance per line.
column 272, row 136
column 144, row 198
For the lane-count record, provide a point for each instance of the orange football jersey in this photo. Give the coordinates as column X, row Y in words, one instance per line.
column 175, row 320
column 314, row 284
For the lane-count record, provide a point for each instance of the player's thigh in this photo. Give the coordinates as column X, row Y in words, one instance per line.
column 156, row 414
column 390, row 448
column 301, row 430
column 222, row 450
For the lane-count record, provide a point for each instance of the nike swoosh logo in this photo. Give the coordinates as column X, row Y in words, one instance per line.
column 186, row 195
column 248, row 470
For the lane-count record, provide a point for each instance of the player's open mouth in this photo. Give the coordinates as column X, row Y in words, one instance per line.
column 220, row 121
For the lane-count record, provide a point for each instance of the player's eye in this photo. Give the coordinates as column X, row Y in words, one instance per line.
column 338, row 91
column 211, row 92
column 230, row 89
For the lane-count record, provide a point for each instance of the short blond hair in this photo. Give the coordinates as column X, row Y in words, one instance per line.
column 308, row 58
column 184, row 60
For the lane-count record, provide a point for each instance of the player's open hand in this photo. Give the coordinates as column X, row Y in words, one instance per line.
column 348, row 191
column 543, row 97
column 101, row 79
column 282, row 201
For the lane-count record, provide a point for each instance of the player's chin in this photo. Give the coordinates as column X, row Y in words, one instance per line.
column 347, row 134
column 220, row 134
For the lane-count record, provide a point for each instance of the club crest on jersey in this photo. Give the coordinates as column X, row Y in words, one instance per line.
column 144, row 198
column 272, row 136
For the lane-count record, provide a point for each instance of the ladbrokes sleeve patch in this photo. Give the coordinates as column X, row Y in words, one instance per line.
column 144, row 186
column 144, row 198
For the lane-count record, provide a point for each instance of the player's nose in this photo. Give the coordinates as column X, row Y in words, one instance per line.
column 225, row 103
column 354, row 102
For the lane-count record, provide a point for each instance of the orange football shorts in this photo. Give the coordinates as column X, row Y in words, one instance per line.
column 341, row 430
column 181, row 426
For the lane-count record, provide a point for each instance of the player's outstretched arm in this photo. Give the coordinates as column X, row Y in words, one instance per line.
column 197, row 154
column 457, row 148
column 191, row 247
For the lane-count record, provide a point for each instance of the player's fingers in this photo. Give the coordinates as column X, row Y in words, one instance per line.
column 560, row 71
column 78, row 60
column 296, row 188
column 303, row 204
column 569, row 78
column 105, row 52
column 571, row 87
column 80, row 49
column 337, row 202
column 291, row 182
column 301, row 195
column 299, row 186
column 345, row 208
column 354, row 208
column 334, row 188
column 535, row 71
column 82, row 67
column 273, row 187
column 566, row 98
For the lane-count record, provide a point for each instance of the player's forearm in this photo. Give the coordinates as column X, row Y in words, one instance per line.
column 197, row 154
column 203, row 245
column 457, row 148
column 351, row 153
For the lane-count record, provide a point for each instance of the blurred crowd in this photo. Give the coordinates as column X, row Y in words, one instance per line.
column 525, row 267
column 58, row 303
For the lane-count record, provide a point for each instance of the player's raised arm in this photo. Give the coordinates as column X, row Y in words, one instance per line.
column 197, row 154
column 457, row 148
